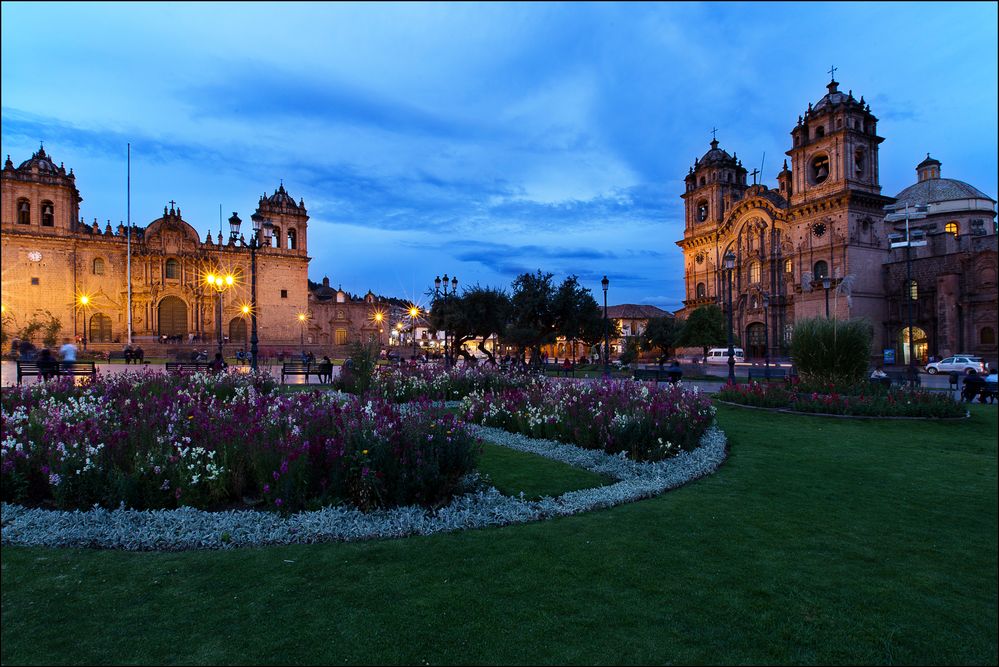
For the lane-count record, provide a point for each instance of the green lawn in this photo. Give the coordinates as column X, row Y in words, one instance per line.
column 819, row 541
column 514, row 472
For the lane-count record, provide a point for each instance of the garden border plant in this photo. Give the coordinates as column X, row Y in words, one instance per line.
column 188, row 528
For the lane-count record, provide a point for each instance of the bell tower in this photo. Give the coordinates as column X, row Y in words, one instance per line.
column 715, row 181
column 834, row 148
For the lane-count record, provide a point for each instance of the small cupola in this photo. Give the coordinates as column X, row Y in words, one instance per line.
column 928, row 168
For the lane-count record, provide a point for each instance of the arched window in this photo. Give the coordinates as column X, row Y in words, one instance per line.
column 951, row 228
column 292, row 239
column 913, row 290
column 702, row 210
column 100, row 329
column 820, row 169
column 48, row 214
column 701, row 291
column 172, row 269
column 820, row 270
column 754, row 272
column 987, row 336
column 820, row 131
column 703, row 181
column 276, row 238
column 788, row 266
column 98, row 267
column 237, row 330
column 23, row 212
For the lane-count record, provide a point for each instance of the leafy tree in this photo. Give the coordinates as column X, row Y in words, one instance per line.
column 705, row 327
column 663, row 334
column 479, row 313
column 532, row 315
column 577, row 314
column 50, row 330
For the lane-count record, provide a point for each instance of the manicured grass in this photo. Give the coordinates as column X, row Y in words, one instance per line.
column 819, row 541
column 513, row 473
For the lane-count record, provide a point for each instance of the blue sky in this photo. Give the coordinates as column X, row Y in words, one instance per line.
column 481, row 140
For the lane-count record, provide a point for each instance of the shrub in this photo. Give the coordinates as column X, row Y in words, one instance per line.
column 831, row 352
column 357, row 375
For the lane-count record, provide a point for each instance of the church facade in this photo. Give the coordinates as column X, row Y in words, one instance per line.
column 819, row 244
column 56, row 267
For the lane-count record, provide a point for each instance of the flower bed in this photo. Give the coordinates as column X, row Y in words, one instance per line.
column 151, row 440
column 408, row 383
column 877, row 402
column 648, row 423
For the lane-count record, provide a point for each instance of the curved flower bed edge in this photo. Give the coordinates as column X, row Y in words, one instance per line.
column 187, row 528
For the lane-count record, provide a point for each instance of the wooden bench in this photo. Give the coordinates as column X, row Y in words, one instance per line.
column 304, row 369
column 656, row 375
column 187, row 367
column 767, row 375
column 59, row 368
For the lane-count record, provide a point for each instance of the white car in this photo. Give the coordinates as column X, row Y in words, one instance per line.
column 719, row 355
column 959, row 364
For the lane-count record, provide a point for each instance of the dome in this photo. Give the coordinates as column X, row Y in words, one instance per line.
column 42, row 162
column 936, row 190
column 281, row 199
column 716, row 155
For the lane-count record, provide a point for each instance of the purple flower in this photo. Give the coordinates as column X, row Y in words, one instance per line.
column 278, row 502
column 276, row 475
column 267, row 488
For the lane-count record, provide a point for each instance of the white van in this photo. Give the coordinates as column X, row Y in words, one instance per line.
column 719, row 355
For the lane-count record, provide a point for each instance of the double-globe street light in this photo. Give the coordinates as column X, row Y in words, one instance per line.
column 452, row 294
column 260, row 238
column 729, row 269
column 220, row 283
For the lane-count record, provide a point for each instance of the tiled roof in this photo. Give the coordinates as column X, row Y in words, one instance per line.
column 632, row 311
column 937, row 190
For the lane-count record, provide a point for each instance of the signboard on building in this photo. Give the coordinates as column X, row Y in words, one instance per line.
column 889, row 356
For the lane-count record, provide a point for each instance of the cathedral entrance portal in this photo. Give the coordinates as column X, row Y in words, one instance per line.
column 173, row 317
column 237, row 331
column 920, row 345
column 756, row 340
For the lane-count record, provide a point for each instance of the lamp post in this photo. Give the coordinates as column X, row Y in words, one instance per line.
column 219, row 283
column 437, row 292
column 260, row 238
column 302, row 317
column 414, row 313
column 605, row 283
column 766, row 337
column 729, row 268
column 826, row 284
column 84, row 304
column 913, row 238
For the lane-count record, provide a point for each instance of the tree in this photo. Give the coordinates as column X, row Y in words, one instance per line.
column 479, row 313
column 577, row 315
column 663, row 334
column 705, row 327
column 532, row 313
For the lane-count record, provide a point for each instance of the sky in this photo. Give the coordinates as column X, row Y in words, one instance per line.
column 478, row 140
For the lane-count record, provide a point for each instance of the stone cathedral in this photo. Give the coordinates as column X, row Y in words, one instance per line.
column 819, row 244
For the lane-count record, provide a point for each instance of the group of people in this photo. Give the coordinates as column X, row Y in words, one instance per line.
column 48, row 362
column 134, row 354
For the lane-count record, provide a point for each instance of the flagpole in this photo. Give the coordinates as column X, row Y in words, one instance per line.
column 128, row 242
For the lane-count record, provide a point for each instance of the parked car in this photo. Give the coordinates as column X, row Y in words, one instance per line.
column 719, row 355
column 959, row 364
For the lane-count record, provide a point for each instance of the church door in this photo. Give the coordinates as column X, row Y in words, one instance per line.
column 173, row 317
column 757, row 340
column 237, row 331
column 100, row 329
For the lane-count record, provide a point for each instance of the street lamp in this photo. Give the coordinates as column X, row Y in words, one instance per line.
column 826, row 284
column 454, row 289
column 729, row 268
column 605, row 283
column 260, row 238
column 913, row 238
column 414, row 313
column 302, row 317
column 219, row 283
column 84, row 303
column 766, row 337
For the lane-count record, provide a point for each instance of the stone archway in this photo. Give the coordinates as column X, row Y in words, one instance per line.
column 756, row 340
column 920, row 345
column 237, row 331
column 172, row 313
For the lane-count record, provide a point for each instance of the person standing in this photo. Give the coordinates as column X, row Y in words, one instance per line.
column 67, row 351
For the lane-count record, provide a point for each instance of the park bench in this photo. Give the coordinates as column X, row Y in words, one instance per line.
column 59, row 368
column 767, row 375
column 656, row 375
column 304, row 369
column 187, row 366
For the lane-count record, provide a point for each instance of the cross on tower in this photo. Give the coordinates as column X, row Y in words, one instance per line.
column 832, row 73
column 714, row 131
column 754, row 172
column 172, row 202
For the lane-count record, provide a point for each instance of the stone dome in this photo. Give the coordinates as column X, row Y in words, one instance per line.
column 41, row 161
column 716, row 155
column 280, row 199
column 932, row 189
